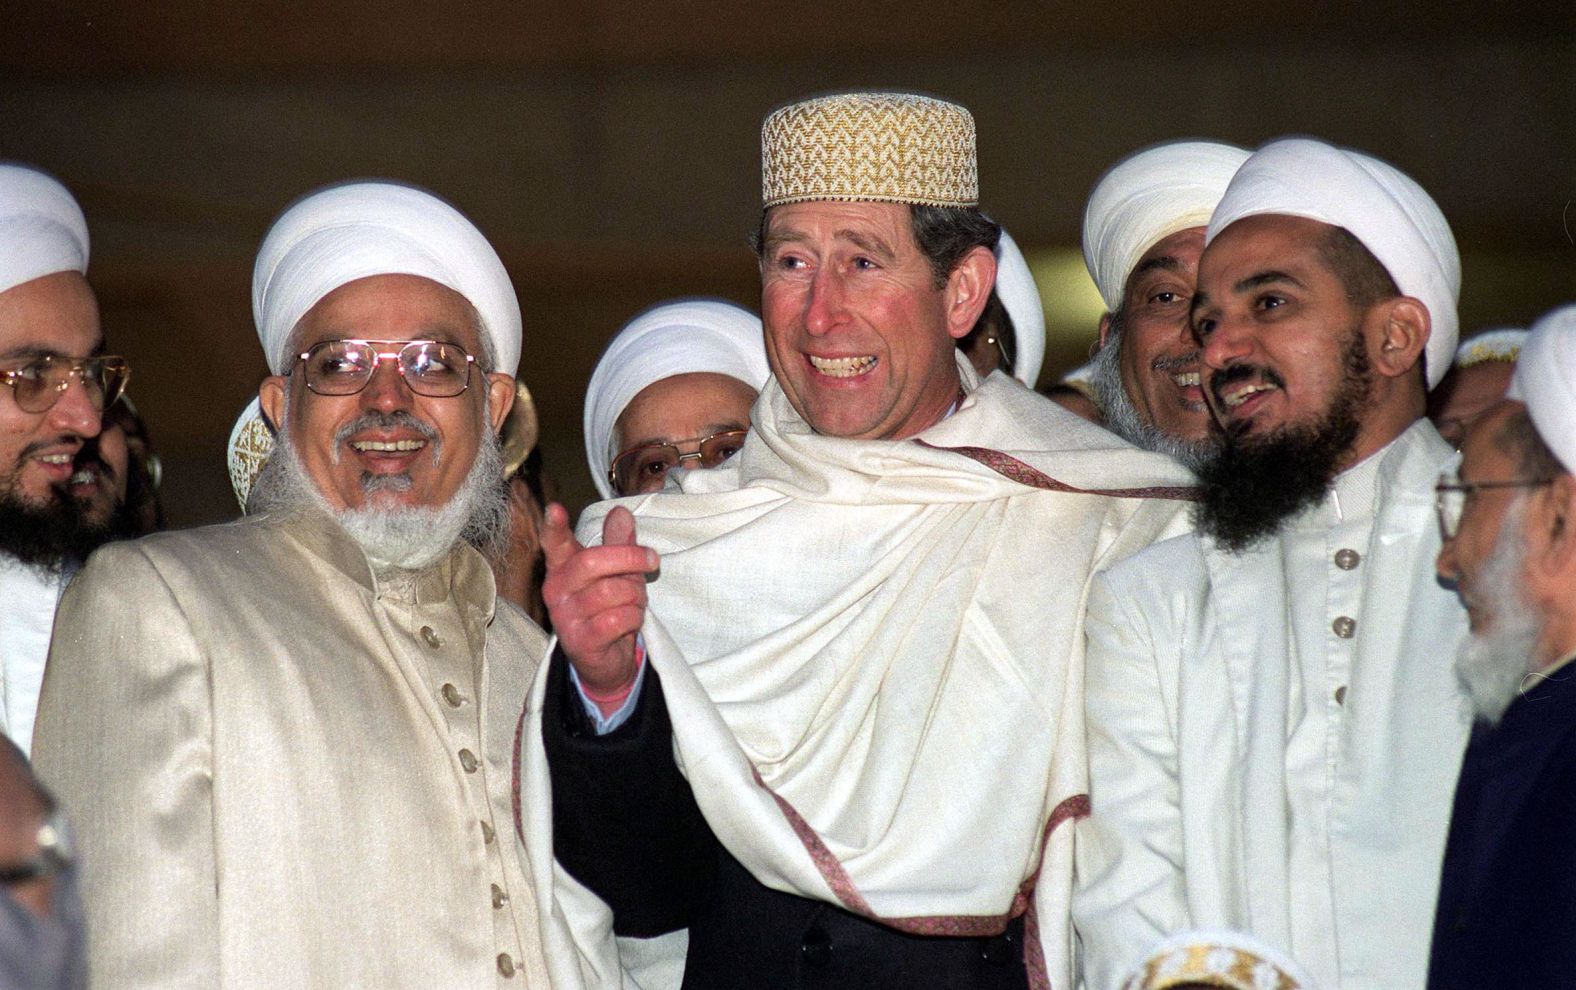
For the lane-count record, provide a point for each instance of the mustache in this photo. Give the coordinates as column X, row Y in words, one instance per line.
column 1174, row 363
column 386, row 421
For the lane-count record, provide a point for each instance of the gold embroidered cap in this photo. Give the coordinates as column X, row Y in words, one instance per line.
column 1226, row 960
column 885, row 147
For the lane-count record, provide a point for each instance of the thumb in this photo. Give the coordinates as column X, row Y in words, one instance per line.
column 558, row 540
column 618, row 529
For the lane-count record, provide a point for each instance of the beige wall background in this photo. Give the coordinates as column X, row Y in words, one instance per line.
column 610, row 150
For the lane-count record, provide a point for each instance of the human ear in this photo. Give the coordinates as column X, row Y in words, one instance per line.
column 1105, row 332
column 968, row 289
column 500, row 393
column 1403, row 329
column 1554, row 554
column 271, row 397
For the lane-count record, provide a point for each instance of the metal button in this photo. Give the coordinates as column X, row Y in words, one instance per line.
column 1347, row 559
column 816, row 947
column 505, row 965
column 431, row 636
column 468, row 761
column 999, row 950
column 488, row 835
column 452, row 695
column 1344, row 627
column 1340, row 695
column 499, row 897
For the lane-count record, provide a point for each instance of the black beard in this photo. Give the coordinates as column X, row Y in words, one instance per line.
column 1253, row 484
column 52, row 535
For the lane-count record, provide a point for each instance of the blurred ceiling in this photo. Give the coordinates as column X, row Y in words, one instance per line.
column 609, row 150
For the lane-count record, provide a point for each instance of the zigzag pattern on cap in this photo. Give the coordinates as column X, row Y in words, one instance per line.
column 886, row 147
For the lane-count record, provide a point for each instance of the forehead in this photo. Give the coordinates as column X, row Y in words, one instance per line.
column 671, row 406
column 391, row 307
column 55, row 314
column 1271, row 242
column 835, row 219
column 1483, row 457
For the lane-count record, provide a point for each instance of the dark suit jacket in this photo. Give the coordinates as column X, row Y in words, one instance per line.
column 1507, row 896
column 626, row 825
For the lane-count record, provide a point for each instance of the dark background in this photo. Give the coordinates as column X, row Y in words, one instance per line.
column 610, row 150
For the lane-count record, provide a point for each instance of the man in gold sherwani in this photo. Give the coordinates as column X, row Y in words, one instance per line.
column 286, row 742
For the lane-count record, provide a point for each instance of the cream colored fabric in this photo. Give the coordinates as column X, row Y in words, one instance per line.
column 892, row 147
column 1190, row 678
column 1377, row 203
column 1020, row 297
column 883, row 667
column 30, row 595
column 268, row 789
column 1545, row 380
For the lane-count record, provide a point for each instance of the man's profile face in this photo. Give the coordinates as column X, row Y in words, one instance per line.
column 1462, row 559
column 1159, row 357
column 857, row 332
column 53, row 315
column 386, row 446
column 1275, row 326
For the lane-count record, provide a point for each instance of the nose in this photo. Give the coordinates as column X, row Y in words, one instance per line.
column 75, row 411
column 1445, row 564
column 387, row 391
column 1228, row 342
column 826, row 305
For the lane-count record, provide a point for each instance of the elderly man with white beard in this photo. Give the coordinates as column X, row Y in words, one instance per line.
column 1507, row 898
column 286, row 742
column 1273, row 728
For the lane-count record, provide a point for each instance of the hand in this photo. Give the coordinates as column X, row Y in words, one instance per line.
column 597, row 597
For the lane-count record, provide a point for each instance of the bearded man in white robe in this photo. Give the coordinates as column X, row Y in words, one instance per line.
column 1274, row 729
column 286, row 742
column 843, row 746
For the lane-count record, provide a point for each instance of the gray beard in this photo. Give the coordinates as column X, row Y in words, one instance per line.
column 1493, row 665
column 1121, row 416
column 401, row 538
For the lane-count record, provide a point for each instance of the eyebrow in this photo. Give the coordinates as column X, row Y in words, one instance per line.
column 709, row 430
column 36, row 351
column 1165, row 262
column 1255, row 281
column 864, row 242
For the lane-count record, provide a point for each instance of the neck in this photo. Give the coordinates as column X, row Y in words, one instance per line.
column 1393, row 408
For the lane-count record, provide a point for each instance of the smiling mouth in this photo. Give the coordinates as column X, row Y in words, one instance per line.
column 843, row 367
column 387, row 446
column 1186, row 380
column 1234, row 397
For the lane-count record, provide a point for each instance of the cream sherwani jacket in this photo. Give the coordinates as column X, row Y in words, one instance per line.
column 282, row 774
column 1190, row 671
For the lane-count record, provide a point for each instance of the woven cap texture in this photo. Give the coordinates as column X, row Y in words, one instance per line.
column 886, row 147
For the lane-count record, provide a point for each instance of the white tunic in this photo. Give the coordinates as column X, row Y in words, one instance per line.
column 1274, row 736
column 28, row 596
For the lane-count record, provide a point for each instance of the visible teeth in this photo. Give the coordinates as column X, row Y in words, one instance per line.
column 1237, row 398
column 58, row 458
column 1184, row 380
column 387, row 446
column 843, row 367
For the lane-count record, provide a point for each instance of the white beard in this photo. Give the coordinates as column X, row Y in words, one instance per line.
column 1493, row 665
column 399, row 538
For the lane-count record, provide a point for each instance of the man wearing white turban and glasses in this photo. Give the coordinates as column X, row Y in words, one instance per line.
column 858, row 739
column 1143, row 231
column 1274, row 729
column 287, row 741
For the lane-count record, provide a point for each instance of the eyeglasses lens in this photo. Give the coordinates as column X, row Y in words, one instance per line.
column 344, row 367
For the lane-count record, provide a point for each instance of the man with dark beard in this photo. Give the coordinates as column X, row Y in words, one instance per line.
column 58, row 498
column 1507, row 896
column 286, row 741
column 1274, row 732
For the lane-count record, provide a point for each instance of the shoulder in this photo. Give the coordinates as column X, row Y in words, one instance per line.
column 512, row 629
column 1172, row 564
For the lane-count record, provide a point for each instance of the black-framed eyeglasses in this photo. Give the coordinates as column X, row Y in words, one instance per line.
column 432, row 368
column 1450, row 498
column 645, row 468
column 39, row 384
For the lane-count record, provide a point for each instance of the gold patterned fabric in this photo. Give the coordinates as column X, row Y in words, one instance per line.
column 1209, row 963
column 251, row 441
column 887, row 147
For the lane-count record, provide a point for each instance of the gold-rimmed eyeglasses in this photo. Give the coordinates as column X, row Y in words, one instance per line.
column 644, row 468
column 432, row 368
column 39, row 384
column 1451, row 494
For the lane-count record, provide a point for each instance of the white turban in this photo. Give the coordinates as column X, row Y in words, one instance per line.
column 42, row 230
column 1020, row 297
column 1545, row 380
column 1501, row 344
column 348, row 232
column 1146, row 198
column 1389, row 213
column 675, row 338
